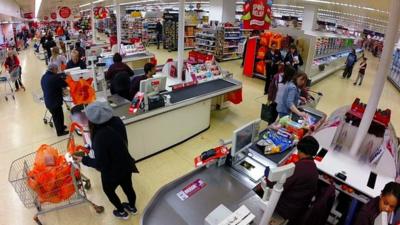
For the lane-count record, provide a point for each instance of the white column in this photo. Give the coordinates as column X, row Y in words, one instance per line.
column 181, row 37
column 222, row 10
column 310, row 17
column 381, row 76
column 118, row 19
column 93, row 23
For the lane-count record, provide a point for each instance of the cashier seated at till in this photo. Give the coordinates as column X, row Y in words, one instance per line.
column 388, row 201
column 117, row 67
column 149, row 72
column 301, row 187
column 76, row 61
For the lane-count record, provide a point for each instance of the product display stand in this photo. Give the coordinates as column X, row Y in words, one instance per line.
column 205, row 40
column 171, row 31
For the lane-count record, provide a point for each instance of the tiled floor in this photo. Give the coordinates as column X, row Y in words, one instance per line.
column 23, row 131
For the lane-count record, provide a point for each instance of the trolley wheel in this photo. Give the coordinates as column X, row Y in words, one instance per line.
column 87, row 185
column 50, row 124
column 99, row 209
column 36, row 219
column 45, row 121
column 6, row 98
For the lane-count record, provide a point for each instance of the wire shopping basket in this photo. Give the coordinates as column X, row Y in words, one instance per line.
column 66, row 187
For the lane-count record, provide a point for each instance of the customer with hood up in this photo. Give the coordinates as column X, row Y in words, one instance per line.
column 112, row 158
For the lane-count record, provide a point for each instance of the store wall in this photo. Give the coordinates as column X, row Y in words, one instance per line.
column 10, row 8
column 222, row 10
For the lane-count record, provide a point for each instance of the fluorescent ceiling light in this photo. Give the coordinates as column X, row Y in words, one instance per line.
column 38, row 3
column 84, row 5
column 98, row 1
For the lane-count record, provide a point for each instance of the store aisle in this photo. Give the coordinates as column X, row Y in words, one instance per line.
column 23, row 131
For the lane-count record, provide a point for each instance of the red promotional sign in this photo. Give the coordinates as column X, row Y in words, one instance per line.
column 53, row 15
column 257, row 14
column 28, row 15
column 100, row 12
column 46, row 18
column 64, row 12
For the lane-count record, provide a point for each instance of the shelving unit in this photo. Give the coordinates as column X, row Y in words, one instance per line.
column 131, row 28
column 394, row 75
column 227, row 43
column 205, row 41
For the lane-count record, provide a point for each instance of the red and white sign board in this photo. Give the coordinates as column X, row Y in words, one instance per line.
column 257, row 14
column 64, row 12
column 191, row 189
column 53, row 16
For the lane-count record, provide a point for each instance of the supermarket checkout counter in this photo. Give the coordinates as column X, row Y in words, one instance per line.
column 232, row 183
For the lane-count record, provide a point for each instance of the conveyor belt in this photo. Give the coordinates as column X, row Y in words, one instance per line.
column 200, row 89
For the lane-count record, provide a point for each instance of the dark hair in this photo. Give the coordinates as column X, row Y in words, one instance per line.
column 117, row 58
column 293, row 46
column 148, row 67
column 288, row 73
column 77, row 44
column 308, row 145
column 392, row 188
column 299, row 75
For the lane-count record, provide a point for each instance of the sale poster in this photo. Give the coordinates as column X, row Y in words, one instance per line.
column 257, row 14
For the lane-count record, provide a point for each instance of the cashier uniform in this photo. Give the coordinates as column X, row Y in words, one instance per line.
column 368, row 213
column 299, row 189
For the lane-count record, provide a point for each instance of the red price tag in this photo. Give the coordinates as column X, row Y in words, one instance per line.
column 64, row 12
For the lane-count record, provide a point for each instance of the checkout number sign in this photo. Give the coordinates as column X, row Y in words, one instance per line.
column 191, row 189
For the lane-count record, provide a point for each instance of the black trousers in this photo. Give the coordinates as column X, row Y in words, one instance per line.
column 125, row 182
column 159, row 39
column 18, row 83
column 58, row 119
column 347, row 72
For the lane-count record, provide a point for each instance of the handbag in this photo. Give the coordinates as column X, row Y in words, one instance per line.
column 268, row 112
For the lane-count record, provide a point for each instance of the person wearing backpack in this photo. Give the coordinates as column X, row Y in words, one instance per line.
column 350, row 61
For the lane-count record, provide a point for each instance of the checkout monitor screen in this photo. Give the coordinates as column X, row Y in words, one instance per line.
column 244, row 136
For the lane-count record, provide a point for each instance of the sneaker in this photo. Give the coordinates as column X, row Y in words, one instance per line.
column 130, row 209
column 121, row 215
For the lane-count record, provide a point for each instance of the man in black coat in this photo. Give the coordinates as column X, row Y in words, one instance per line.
column 112, row 158
column 48, row 45
column 52, row 86
column 159, row 30
column 273, row 59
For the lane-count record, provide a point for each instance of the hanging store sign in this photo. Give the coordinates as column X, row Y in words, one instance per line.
column 100, row 13
column 53, row 16
column 64, row 12
column 257, row 14
column 28, row 15
column 46, row 18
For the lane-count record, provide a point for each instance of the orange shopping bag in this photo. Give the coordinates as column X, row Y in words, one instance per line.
column 81, row 91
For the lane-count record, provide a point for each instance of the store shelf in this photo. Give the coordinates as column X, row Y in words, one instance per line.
column 205, row 39
column 211, row 46
column 331, row 54
column 394, row 83
column 232, row 38
column 190, row 36
column 205, row 35
column 232, row 32
column 231, row 46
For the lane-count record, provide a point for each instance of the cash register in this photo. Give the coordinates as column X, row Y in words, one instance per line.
column 152, row 88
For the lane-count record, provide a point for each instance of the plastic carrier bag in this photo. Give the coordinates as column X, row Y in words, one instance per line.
column 81, row 91
column 50, row 176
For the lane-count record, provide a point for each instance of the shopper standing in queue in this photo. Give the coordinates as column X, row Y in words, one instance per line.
column 53, row 86
column 277, row 88
column 112, row 158
column 349, row 64
column 48, row 45
column 58, row 59
column 388, row 201
column 159, row 30
column 272, row 59
column 291, row 96
column 361, row 72
column 293, row 58
column 117, row 67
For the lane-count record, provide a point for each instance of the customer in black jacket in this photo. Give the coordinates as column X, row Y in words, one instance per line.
column 52, row 86
column 112, row 158
column 293, row 58
column 48, row 45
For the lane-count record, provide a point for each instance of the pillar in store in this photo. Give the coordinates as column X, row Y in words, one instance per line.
column 380, row 78
column 181, row 37
column 93, row 23
column 222, row 10
column 310, row 17
column 117, row 8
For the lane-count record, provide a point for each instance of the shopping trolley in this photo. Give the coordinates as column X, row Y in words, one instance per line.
column 20, row 179
column 313, row 99
column 6, row 89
